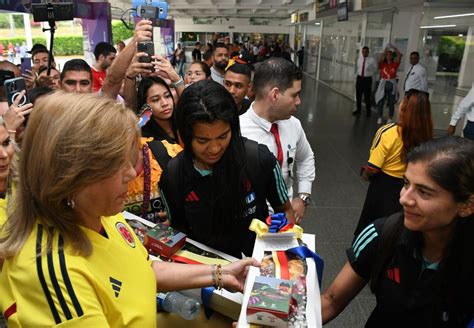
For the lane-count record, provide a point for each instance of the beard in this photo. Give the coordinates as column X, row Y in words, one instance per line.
column 221, row 64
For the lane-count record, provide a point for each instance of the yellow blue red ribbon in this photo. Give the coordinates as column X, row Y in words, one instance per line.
column 276, row 223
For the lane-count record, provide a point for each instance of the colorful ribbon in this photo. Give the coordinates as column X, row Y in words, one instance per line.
column 304, row 252
column 274, row 224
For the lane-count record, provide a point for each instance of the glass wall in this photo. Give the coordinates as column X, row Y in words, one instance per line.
column 339, row 45
column 312, row 41
column 447, row 51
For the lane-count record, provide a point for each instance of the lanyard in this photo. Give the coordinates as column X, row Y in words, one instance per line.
column 146, row 181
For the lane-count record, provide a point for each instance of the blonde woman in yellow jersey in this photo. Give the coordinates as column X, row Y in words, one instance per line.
column 70, row 257
column 7, row 150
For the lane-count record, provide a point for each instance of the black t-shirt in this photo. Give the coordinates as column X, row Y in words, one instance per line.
column 405, row 293
column 196, row 54
column 153, row 130
column 197, row 210
column 245, row 106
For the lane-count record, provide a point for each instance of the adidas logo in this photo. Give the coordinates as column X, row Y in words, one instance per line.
column 192, row 197
column 116, row 286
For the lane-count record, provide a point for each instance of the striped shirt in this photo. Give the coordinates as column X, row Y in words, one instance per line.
column 115, row 286
column 385, row 153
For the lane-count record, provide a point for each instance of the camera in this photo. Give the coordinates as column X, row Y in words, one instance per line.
column 150, row 9
column 45, row 12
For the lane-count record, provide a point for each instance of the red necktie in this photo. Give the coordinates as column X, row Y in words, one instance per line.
column 363, row 68
column 276, row 134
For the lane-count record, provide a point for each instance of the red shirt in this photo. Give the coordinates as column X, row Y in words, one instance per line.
column 98, row 79
column 389, row 71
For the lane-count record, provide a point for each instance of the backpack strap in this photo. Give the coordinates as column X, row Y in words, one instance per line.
column 160, row 153
column 253, row 164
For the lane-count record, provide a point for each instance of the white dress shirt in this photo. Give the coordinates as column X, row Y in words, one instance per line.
column 416, row 78
column 295, row 146
column 370, row 66
column 216, row 76
column 466, row 107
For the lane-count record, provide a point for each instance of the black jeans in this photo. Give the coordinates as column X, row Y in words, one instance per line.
column 363, row 86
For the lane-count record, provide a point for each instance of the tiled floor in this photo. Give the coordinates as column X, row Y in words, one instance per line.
column 341, row 144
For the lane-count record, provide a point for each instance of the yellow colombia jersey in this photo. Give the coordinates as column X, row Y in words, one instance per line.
column 4, row 205
column 115, row 286
column 385, row 153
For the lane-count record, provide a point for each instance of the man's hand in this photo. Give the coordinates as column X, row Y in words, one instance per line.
column 299, row 208
column 30, row 78
column 136, row 67
column 143, row 31
column 450, row 130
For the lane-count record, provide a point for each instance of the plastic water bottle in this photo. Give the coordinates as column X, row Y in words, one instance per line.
column 174, row 302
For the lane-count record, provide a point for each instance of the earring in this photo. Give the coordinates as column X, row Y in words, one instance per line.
column 70, row 203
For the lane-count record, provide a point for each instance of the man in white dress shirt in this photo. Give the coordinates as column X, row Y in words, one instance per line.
column 269, row 121
column 466, row 107
column 366, row 67
column 416, row 76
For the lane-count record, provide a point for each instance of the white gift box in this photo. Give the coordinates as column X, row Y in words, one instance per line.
column 283, row 242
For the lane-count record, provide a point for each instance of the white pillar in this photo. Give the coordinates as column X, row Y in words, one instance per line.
column 12, row 25
column 29, row 38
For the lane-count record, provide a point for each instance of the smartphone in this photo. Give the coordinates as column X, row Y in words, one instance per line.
column 149, row 48
column 13, row 87
column 25, row 65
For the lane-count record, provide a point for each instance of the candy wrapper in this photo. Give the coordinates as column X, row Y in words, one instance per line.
column 284, row 256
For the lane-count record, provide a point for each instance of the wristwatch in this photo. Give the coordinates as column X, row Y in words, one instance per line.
column 305, row 198
column 177, row 84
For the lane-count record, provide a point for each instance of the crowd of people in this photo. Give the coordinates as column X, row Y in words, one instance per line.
column 206, row 150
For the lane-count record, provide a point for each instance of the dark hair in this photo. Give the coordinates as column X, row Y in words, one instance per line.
column 104, row 49
column 40, row 50
column 142, row 93
column 144, row 85
column 207, row 55
column 37, row 92
column 204, row 67
column 220, row 45
column 415, row 120
column 241, row 69
column 207, row 102
column 78, row 65
column 365, row 47
column 275, row 72
column 197, row 43
column 415, row 53
column 450, row 163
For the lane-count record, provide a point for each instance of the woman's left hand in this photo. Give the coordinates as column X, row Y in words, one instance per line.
column 164, row 69
column 234, row 274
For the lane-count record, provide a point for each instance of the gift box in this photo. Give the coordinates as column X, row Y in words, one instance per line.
column 193, row 252
column 164, row 240
column 286, row 253
column 269, row 302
